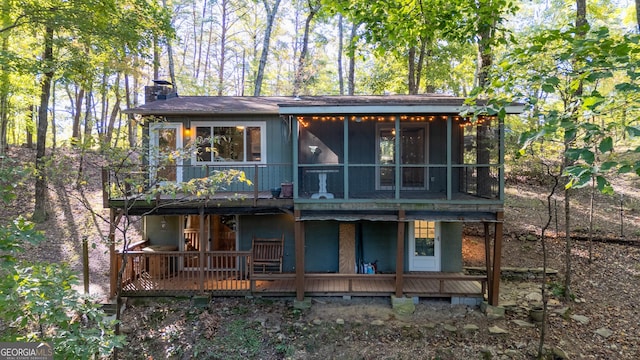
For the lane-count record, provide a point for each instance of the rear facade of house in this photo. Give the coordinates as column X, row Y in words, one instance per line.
column 355, row 195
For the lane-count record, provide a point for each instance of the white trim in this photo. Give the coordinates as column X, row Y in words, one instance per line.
column 154, row 146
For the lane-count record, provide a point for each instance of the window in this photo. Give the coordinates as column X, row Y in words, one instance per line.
column 230, row 142
column 425, row 236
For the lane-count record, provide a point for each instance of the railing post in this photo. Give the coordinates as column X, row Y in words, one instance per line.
column 202, row 246
column 255, row 185
column 106, row 188
column 400, row 254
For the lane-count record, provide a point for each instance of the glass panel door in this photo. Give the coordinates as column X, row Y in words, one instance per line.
column 413, row 153
column 165, row 141
column 386, row 158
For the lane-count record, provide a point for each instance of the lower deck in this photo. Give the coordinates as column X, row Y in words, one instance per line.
column 230, row 283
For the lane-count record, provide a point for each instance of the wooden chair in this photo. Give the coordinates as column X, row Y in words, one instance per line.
column 267, row 254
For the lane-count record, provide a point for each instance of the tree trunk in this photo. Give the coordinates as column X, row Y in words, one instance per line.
column 543, row 241
column 40, row 208
column 156, row 58
column 88, row 119
column 412, row 71
column 77, row 114
column 351, row 81
column 199, row 58
column 131, row 120
column 271, row 16
column 223, row 46
column 340, row 50
column 4, row 120
column 172, row 71
column 53, row 118
column 114, row 114
column 581, row 22
column 33, row 109
column 298, row 81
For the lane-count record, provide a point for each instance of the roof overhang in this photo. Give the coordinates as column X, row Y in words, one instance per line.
column 383, row 109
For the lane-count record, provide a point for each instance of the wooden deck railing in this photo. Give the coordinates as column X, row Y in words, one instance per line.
column 174, row 272
column 229, row 273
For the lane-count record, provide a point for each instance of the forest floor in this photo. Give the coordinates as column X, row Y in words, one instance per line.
column 600, row 322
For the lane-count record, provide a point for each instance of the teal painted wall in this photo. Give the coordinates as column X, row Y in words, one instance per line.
column 379, row 243
column 322, row 240
column 269, row 226
column 170, row 235
column 451, row 246
column 321, row 246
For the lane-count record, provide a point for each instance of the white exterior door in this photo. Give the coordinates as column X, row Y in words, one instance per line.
column 424, row 246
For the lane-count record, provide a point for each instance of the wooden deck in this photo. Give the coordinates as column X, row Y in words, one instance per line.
column 188, row 282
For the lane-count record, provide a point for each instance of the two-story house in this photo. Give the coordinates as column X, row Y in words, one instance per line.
column 346, row 195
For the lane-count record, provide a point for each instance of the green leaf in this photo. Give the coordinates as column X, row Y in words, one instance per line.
column 592, row 102
column 625, row 169
column 627, row 87
column 548, row 88
column 588, row 156
column 573, row 154
column 608, row 165
column 603, row 185
column 606, row 145
column 632, row 130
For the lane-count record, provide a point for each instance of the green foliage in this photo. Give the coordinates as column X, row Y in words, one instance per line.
column 38, row 303
column 579, row 92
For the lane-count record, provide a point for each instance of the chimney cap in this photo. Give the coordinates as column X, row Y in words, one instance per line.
column 162, row 82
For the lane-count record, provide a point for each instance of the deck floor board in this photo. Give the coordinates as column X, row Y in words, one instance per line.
column 189, row 282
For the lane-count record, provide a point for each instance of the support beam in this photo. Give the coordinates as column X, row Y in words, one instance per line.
column 497, row 257
column 113, row 262
column 400, row 255
column 487, row 258
column 299, row 249
column 202, row 248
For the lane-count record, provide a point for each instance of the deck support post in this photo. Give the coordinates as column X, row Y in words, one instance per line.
column 497, row 257
column 202, row 245
column 299, row 244
column 487, row 259
column 113, row 262
column 400, row 254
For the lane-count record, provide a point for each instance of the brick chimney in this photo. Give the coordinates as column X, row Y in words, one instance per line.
column 160, row 90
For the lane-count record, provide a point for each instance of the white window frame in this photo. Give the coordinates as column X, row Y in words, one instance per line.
column 213, row 124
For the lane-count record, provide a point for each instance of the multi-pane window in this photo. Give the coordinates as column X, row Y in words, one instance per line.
column 229, row 143
column 425, row 235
